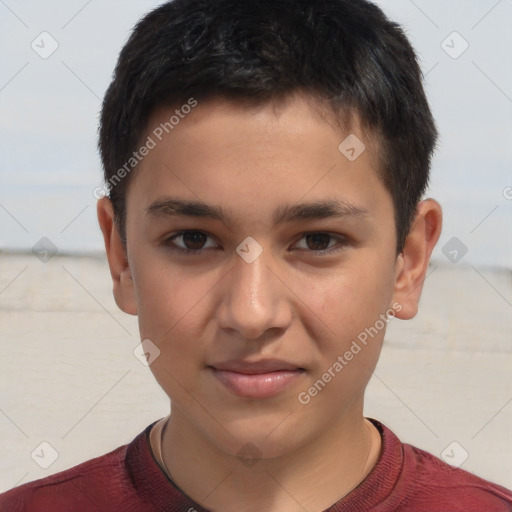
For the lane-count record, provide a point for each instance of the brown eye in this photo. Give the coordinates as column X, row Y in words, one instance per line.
column 318, row 241
column 321, row 244
column 190, row 242
column 194, row 240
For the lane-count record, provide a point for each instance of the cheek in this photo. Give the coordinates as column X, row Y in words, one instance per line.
column 171, row 316
column 165, row 296
column 352, row 304
column 353, row 298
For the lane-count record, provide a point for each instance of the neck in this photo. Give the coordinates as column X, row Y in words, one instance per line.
column 311, row 477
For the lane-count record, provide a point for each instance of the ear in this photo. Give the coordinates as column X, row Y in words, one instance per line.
column 117, row 258
column 412, row 262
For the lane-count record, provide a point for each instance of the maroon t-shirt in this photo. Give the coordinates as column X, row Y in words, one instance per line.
column 128, row 479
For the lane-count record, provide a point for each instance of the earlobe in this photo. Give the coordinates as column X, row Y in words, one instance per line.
column 117, row 258
column 412, row 263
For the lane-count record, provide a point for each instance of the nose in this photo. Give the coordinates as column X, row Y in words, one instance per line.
column 254, row 300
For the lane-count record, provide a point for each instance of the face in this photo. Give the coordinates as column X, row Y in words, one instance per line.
column 262, row 265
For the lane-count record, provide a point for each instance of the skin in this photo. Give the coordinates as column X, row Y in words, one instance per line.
column 291, row 303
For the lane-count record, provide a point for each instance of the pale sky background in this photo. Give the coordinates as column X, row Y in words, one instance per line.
column 49, row 108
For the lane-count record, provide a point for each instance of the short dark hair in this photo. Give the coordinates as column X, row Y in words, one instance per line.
column 346, row 53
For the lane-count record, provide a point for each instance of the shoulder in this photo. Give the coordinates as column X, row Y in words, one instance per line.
column 409, row 479
column 438, row 486
column 83, row 487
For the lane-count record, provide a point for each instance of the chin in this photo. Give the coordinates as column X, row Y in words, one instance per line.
column 255, row 439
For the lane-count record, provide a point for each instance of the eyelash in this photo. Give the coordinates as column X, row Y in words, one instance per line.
column 342, row 241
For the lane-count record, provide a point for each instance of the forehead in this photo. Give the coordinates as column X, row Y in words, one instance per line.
column 268, row 155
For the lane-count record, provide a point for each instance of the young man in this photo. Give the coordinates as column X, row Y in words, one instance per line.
column 265, row 163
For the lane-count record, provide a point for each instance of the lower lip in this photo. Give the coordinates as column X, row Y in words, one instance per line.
column 261, row 385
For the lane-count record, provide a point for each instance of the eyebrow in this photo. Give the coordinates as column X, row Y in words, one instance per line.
column 285, row 214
